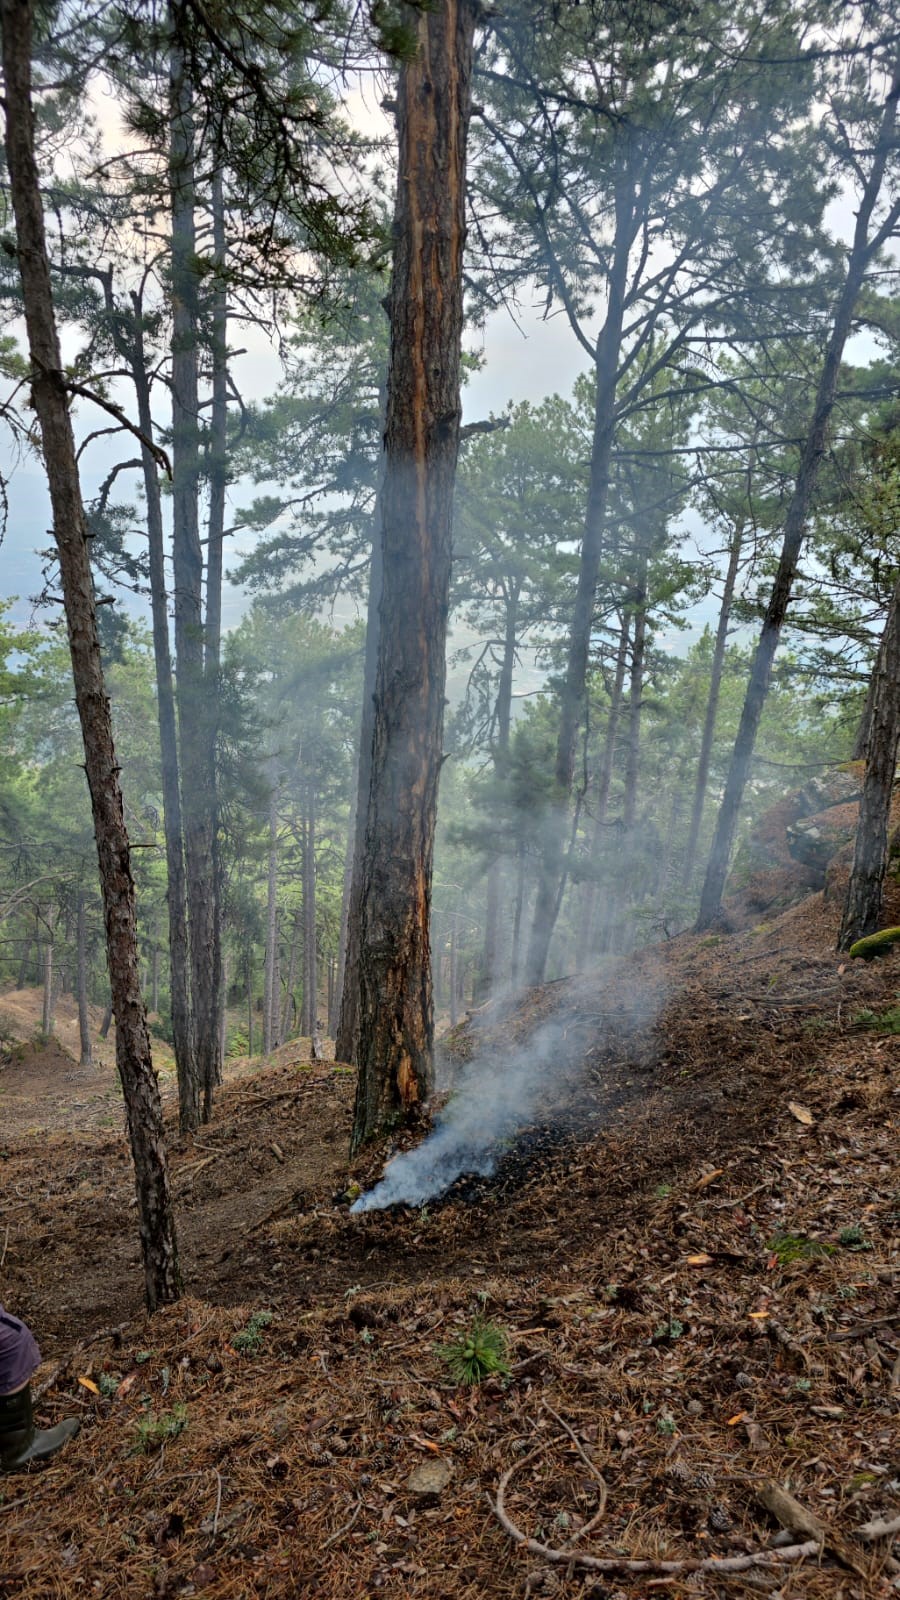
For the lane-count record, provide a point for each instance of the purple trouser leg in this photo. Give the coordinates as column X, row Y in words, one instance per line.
column 19, row 1354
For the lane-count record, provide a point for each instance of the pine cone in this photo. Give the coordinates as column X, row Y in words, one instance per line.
column 703, row 1480
column 718, row 1520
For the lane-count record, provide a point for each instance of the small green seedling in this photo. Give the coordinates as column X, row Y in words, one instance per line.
column 853, row 1238
column 879, row 1021
column 478, row 1354
column 670, row 1329
column 249, row 1341
column 154, row 1431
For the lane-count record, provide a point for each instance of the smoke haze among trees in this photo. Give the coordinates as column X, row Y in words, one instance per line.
column 487, row 431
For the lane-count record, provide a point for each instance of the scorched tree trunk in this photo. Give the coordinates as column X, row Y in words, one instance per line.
column 396, row 1022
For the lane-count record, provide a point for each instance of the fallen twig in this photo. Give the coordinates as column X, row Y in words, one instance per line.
column 862, row 1328
column 878, row 1529
column 579, row 1558
column 582, row 1533
column 345, row 1529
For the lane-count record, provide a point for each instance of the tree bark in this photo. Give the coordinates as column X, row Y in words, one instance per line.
column 346, row 1036
column 862, row 908
column 176, row 892
column 133, row 1055
column 861, row 742
column 396, row 1019
column 310, row 964
column 601, row 799
column 211, row 1064
column 861, row 254
column 154, row 972
column 454, row 976
column 25, row 963
column 712, row 705
column 635, row 696
column 196, row 724
column 289, row 1007
column 490, row 964
column 47, row 970
column 269, row 987
column 81, row 987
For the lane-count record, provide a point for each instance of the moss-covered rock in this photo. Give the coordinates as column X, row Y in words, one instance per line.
column 876, row 944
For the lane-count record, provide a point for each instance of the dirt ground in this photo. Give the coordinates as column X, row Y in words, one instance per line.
column 693, row 1264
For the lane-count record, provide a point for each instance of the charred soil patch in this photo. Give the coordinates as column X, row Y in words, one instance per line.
column 699, row 1279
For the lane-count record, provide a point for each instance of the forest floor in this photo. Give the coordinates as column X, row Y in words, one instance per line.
column 693, row 1258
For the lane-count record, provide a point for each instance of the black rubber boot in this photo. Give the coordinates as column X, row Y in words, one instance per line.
column 20, row 1441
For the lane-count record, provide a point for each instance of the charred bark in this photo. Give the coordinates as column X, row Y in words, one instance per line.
column 396, row 1021
column 862, row 909
column 49, row 394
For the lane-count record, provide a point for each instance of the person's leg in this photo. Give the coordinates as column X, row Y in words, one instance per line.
column 20, row 1441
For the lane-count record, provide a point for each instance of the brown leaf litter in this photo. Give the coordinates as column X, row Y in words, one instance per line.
column 698, row 1288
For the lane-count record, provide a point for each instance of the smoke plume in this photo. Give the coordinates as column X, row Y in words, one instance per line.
column 499, row 1094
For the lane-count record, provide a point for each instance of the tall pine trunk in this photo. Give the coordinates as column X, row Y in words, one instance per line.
column 573, row 693
column 217, row 470
column 864, row 891
column 176, row 893
column 601, row 797
column 270, row 993
column 490, row 966
column 396, row 1020
column 712, row 705
column 346, row 1032
column 195, row 724
column 862, row 252
column 310, row 964
column 144, row 1112
column 85, row 1055
column 635, row 696
column 48, row 973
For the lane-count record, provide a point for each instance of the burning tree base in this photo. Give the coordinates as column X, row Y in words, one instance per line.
column 452, row 1173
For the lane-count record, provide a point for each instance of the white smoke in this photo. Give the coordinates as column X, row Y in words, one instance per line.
column 502, row 1092
column 495, row 1098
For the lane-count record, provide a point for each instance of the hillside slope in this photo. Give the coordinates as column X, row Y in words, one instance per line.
column 699, row 1296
